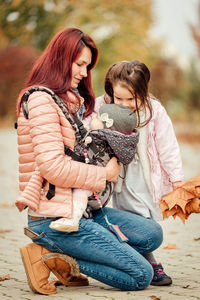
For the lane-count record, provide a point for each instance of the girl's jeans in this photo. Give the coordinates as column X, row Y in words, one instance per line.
column 99, row 253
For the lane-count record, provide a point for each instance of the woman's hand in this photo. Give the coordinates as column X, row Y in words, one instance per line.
column 112, row 170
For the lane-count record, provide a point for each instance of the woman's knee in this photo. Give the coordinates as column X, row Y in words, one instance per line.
column 147, row 275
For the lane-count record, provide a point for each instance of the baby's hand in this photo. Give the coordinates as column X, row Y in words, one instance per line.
column 96, row 123
column 176, row 184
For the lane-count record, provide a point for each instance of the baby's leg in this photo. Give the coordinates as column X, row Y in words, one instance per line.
column 80, row 199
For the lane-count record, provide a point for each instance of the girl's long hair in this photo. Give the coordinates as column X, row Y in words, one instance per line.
column 53, row 68
column 135, row 77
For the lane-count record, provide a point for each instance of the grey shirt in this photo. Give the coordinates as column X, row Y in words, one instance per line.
column 135, row 196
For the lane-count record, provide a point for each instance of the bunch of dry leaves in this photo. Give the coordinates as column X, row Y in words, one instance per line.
column 183, row 201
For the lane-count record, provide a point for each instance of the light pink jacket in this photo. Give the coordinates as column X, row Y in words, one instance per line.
column 163, row 153
column 41, row 141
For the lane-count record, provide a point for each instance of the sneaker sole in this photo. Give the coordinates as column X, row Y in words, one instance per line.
column 162, row 282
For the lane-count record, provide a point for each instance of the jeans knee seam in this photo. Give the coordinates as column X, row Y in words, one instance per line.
column 121, row 250
column 106, row 277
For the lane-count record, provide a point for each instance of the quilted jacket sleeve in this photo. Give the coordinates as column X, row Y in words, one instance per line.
column 48, row 145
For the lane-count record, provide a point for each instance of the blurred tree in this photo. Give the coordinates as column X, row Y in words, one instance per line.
column 196, row 31
column 31, row 22
column 167, row 80
column 194, row 87
column 193, row 74
column 15, row 63
column 120, row 30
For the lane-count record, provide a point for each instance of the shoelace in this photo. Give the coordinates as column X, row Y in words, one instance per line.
column 158, row 269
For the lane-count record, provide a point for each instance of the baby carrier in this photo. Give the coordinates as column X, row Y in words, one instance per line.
column 95, row 148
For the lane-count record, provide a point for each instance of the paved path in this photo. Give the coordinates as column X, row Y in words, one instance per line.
column 183, row 263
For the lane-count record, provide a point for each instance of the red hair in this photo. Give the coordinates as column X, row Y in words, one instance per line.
column 53, row 68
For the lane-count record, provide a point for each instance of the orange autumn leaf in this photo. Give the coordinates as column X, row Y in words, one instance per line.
column 6, row 205
column 186, row 286
column 5, row 230
column 193, row 206
column 171, row 247
column 183, row 201
column 5, row 277
column 155, row 297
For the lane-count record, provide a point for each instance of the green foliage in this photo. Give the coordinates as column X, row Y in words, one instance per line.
column 31, row 22
column 120, row 30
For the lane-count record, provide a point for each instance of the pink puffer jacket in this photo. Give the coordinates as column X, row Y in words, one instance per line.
column 41, row 141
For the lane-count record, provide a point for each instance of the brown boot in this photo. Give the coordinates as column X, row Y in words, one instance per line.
column 36, row 271
column 65, row 268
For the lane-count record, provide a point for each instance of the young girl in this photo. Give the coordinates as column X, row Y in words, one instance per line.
column 158, row 168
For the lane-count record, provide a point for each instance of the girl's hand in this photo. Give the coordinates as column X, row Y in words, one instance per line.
column 176, row 184
column 112, row 170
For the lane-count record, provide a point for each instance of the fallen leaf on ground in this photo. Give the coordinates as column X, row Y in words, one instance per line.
column 197, row 239
column 5, row 230
column 186, row 286
column 189, row 255
column 5, row 277
column 171, row 247
column 155, row 297
column 6, row 205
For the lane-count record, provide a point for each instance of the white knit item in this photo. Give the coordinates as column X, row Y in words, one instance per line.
column 65, row 224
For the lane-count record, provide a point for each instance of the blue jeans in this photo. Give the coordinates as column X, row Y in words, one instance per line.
column 99, row 253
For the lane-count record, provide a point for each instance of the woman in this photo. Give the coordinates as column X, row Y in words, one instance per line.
column 65, row 66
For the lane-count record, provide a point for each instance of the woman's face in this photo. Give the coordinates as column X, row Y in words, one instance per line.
column 79, row 66
column 122, row 96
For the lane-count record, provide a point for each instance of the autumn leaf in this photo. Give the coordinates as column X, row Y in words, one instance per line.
column 197, row 239
column 5, row 230
column 186, row 286
column 155, row 297
column 5, row 277
column 183, row 201
column 7, row 205
column 171, row 247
